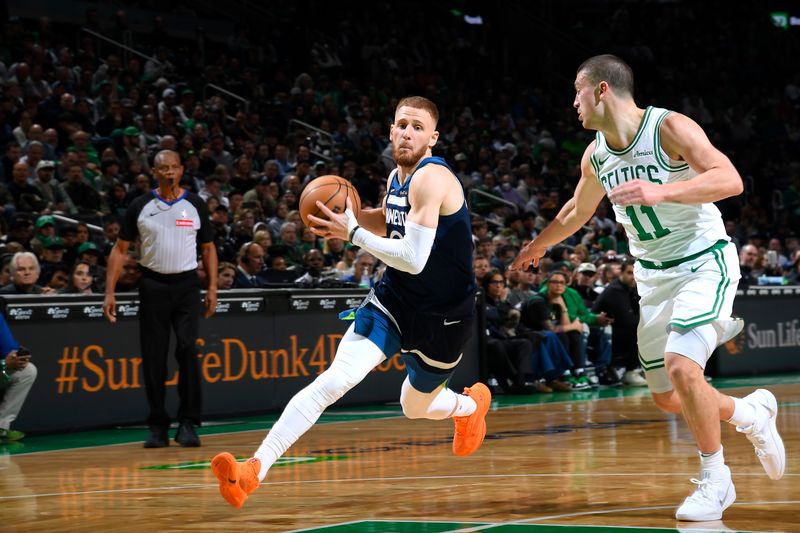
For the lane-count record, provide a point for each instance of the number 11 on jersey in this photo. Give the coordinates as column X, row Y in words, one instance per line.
column 658, row 230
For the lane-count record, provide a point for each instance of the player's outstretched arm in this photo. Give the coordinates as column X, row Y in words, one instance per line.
column 683, row 139
column 575, row 213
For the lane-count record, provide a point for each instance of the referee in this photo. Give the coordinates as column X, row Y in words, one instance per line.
column 170, row 222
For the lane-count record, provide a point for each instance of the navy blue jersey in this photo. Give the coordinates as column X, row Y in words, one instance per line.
column 447, row 282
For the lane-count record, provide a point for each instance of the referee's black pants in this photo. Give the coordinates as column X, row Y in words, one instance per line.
column 170, row 302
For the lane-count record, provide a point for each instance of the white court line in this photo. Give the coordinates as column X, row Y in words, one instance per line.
column 322, row 422
column 525, row 521
column 385, row 521
column 367, row 479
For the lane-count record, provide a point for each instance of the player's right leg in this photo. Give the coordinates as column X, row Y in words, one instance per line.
column 674, row 300
column 680, row 386
column 355, row 357
column 697, row 328
column 754, row 415
column 431, row 351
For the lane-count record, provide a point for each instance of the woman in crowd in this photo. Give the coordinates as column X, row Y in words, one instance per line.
column 80, row 279
column 226, row 274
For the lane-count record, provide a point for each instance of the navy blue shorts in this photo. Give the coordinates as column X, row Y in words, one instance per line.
column 372, row 323
column 431, row 344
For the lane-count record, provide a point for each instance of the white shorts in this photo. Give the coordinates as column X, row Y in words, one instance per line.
column 679, row 298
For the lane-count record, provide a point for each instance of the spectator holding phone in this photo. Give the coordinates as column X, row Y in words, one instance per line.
column 17, row 375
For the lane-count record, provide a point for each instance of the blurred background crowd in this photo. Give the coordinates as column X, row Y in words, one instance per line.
column 268, row 97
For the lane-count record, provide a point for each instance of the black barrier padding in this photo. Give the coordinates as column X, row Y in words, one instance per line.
column 260, row 348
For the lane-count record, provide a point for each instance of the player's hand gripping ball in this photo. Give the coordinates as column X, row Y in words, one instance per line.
column 332, row 191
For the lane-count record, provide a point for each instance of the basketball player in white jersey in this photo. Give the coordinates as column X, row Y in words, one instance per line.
column 662, row 175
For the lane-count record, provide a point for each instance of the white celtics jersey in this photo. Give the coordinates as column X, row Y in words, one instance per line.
column 666, row 232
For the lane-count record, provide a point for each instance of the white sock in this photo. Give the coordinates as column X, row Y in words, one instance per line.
column 437, row 405
column 291, row 425
column 744, row 414
column 354, row 359
column 712, row 462
column 466, row 405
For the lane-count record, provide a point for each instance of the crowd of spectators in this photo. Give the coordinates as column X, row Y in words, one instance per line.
column 78, row 132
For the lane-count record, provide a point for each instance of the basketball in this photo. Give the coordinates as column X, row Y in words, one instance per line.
column 331, row 191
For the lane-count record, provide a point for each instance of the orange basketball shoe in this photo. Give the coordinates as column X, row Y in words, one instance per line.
column 470, row 430
column 236, row 480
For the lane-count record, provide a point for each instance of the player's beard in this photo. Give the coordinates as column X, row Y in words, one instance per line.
column 408, row 158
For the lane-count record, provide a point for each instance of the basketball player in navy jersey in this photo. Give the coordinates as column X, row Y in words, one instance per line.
column 422, row 307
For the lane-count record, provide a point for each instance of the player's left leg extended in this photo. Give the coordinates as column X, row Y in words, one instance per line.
column 355, row 357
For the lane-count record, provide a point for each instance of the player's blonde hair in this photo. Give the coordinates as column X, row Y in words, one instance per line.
column 420, row 102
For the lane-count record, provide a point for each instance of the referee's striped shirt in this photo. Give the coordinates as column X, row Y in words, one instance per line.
column 169, row 230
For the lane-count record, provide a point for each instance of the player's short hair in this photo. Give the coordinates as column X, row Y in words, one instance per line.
column 420, row 102
column 610, row 69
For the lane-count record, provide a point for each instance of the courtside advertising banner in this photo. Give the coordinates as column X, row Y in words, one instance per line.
column 258, row 350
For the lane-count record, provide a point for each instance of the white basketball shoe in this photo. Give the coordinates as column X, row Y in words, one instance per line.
column 714, row 493
column 634, row 378
column 727, row 328
column 763, row 433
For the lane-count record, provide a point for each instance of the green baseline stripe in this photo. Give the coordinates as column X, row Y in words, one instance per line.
column 657, row 148
column 704, row 318
column 645, row 118
column 434, row 526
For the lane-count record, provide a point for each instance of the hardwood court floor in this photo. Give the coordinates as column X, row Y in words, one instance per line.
column 550, row 463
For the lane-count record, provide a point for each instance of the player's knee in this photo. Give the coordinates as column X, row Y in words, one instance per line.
column 415, row 403
column 412, row 407
column 683, row 372
column 332, row 385
column 687, row 353
column 413, row 411
column 353, row 361
column 326, row 389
